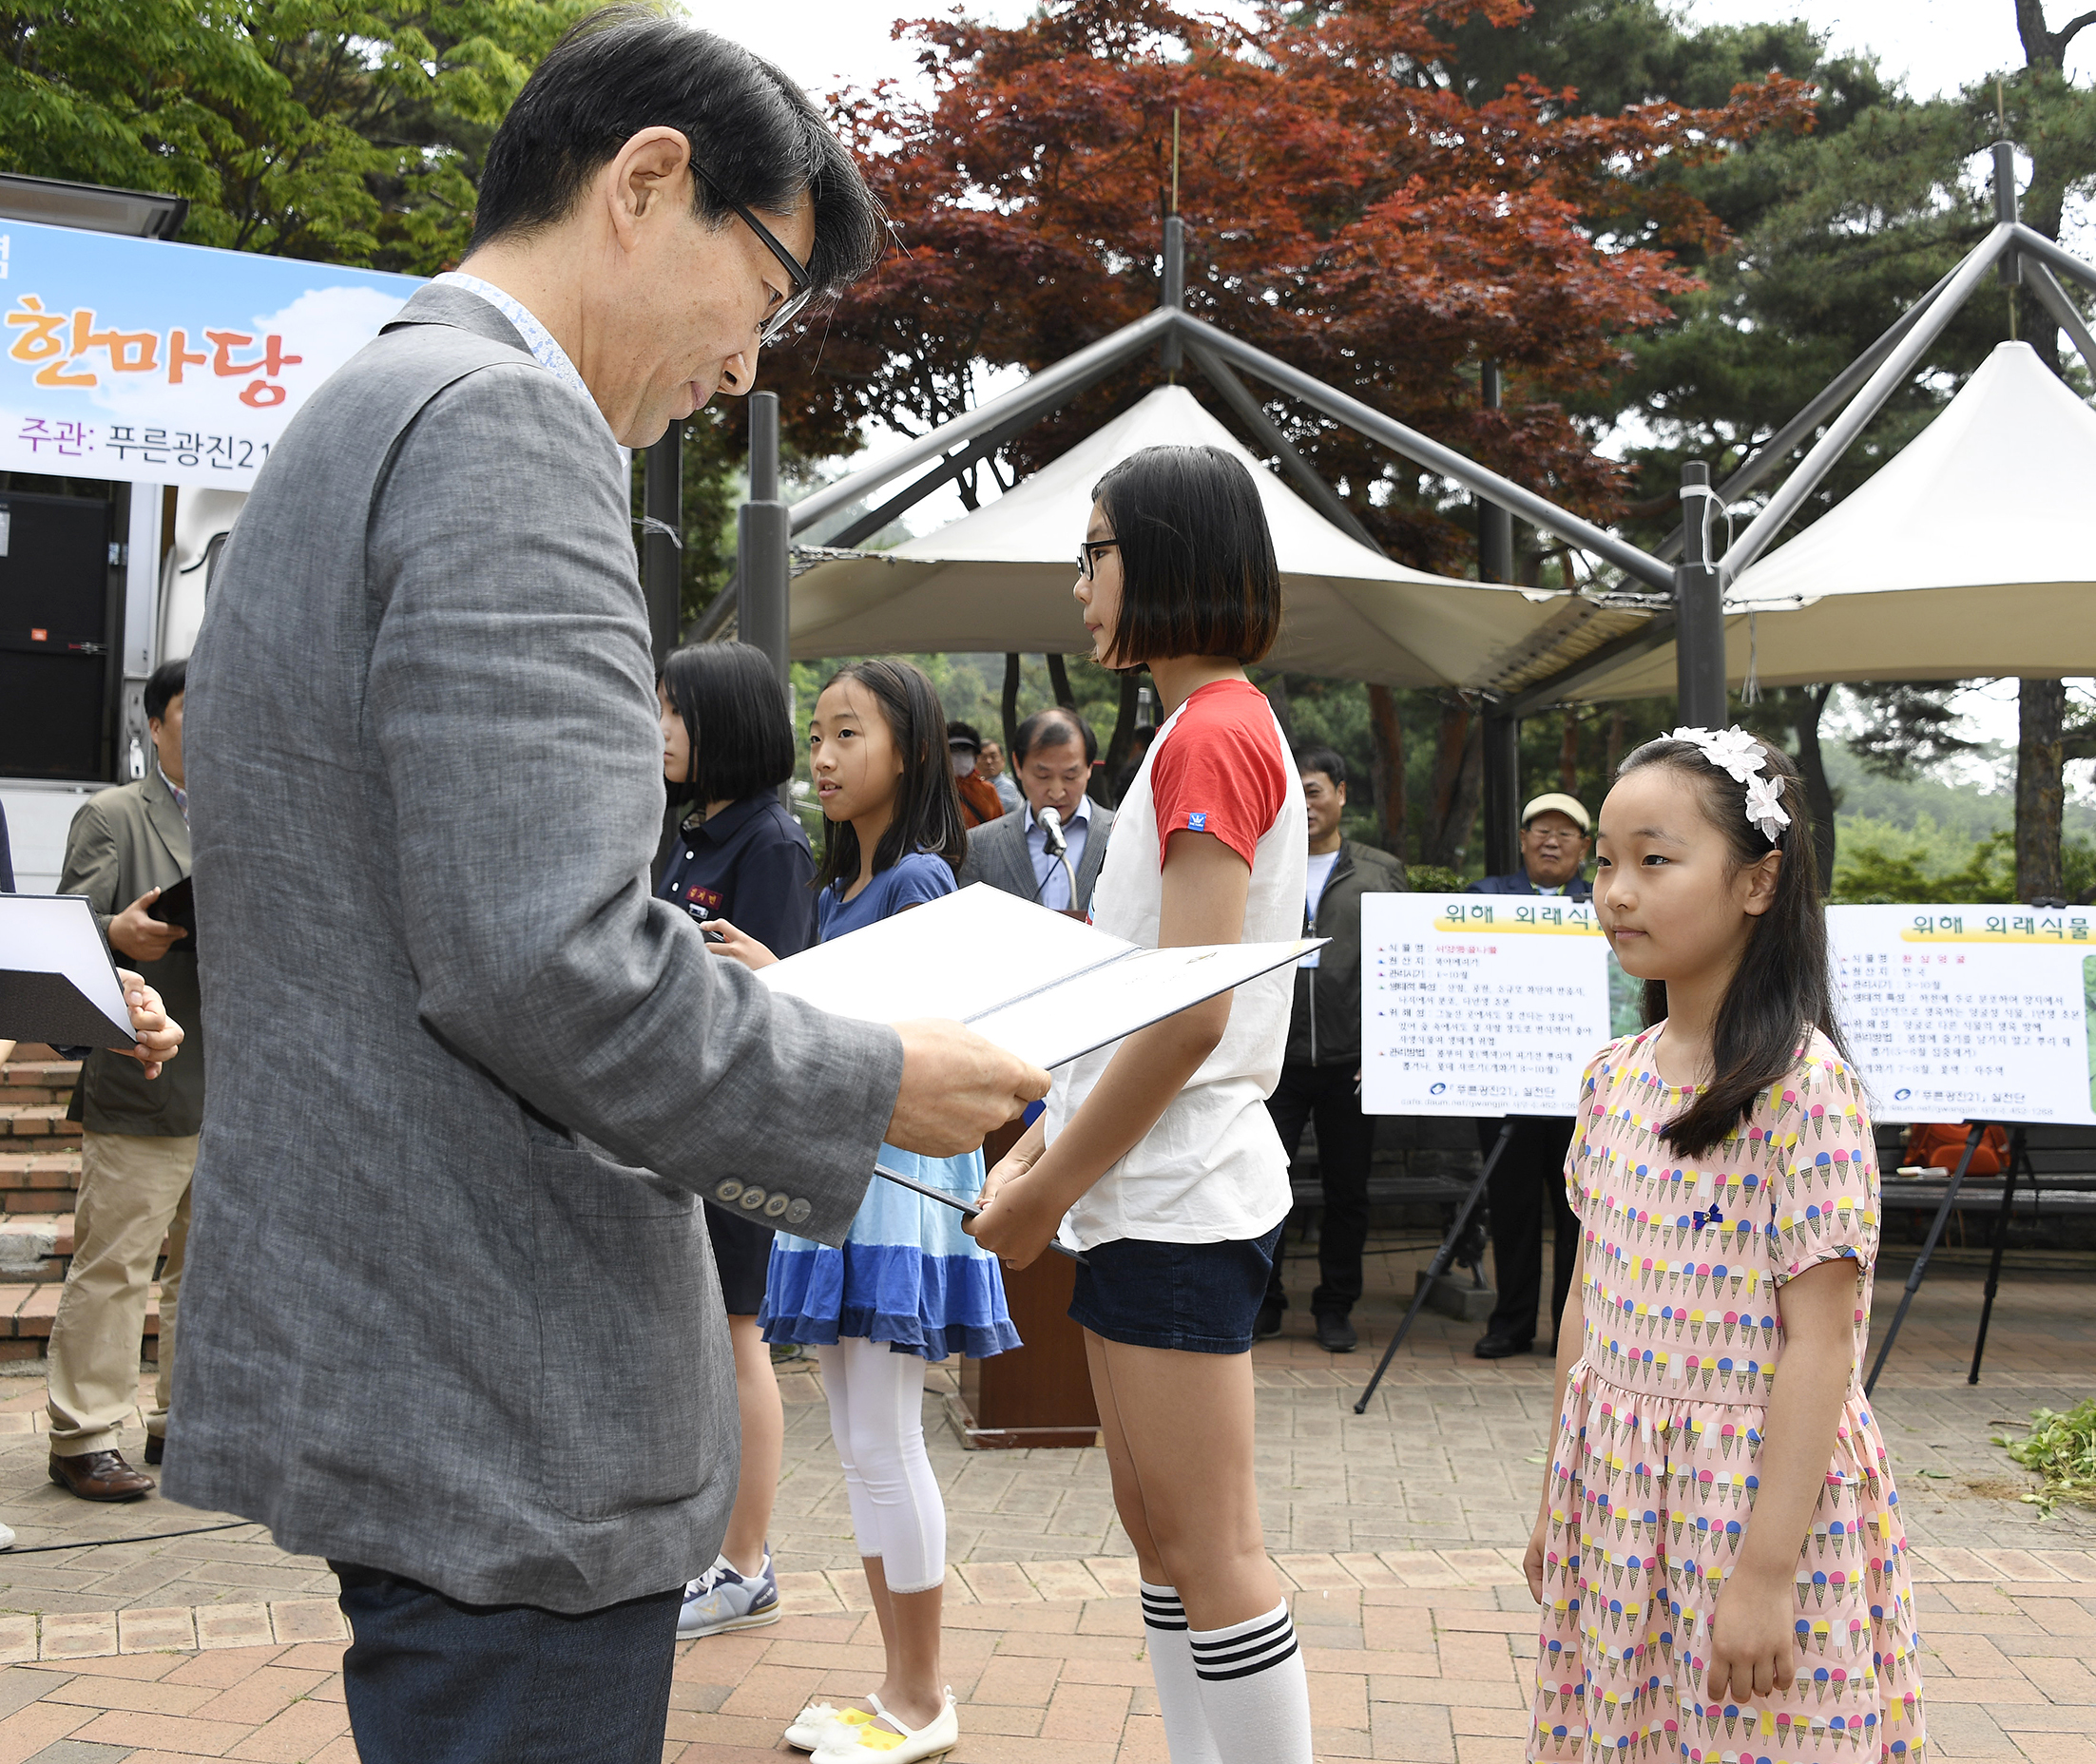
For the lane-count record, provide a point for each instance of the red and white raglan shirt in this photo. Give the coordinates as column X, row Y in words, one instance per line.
column 1212, row 1170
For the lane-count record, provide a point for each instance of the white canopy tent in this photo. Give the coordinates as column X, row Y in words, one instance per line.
column 1000, row 579
column 1972, row 552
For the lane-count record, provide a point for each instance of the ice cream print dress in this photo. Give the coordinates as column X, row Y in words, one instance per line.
column 1652, row 1476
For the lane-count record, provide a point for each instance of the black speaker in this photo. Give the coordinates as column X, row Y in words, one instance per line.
column 54, row 636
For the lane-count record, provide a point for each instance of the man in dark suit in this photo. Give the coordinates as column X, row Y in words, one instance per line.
column 1054, row 750
column 139, row 1134
column 1321, row 1077
column 451, row 1320
column 1529, row 1181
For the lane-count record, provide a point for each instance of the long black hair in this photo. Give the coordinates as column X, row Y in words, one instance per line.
column 735, row 714
column 928, row 808
column 1782, row 988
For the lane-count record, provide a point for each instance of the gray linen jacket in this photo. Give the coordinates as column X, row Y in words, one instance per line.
column 122, row 842
column 997, row 854
column 438, row 1319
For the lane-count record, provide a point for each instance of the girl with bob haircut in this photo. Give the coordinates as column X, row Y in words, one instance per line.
column 728, row 746
column 1157, row 1158
column 909, row 1285
column 1719, row 1552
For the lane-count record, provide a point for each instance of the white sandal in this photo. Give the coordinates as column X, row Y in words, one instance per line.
column 876, row 1745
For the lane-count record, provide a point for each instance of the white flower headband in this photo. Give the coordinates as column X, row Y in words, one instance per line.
column 1735, row 750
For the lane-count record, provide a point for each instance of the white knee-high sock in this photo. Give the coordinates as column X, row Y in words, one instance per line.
column 1253, row 1688
column 1186, row 1735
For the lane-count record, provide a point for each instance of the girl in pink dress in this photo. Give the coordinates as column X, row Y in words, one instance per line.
column 1719, row 1553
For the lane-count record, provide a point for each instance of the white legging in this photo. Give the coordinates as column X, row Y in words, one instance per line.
column 876, row 1418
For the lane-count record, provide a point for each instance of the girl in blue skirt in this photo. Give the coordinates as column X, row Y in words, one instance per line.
column 909, row 1285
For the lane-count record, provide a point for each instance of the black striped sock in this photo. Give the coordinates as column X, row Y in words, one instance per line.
column 1164, row 1633
column 1245, row 1648
column 1253, row 1688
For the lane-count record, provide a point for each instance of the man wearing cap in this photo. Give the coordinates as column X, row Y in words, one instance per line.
column 1529, row 1177
column 978, row 794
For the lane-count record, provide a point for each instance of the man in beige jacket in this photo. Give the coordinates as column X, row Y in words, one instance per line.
column 127, row 846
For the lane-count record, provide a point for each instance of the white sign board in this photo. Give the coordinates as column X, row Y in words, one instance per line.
column 1482, row 1003
column 1968, row 1013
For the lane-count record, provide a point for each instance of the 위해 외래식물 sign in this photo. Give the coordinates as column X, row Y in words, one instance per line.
column 1483, row 1004
column 156, row 363
column 1968, row 1013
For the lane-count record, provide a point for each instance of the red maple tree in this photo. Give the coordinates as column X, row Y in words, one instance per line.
column 1345, row 210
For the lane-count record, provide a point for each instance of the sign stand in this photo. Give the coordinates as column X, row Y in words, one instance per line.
column 1927, row 1249
column 1442, row 1258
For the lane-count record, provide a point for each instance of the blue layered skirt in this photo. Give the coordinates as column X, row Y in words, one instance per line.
column 908, row 1274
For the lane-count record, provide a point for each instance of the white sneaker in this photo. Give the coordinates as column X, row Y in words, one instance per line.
column 876, row 1745
column 722, row 1600
column 7, row 1537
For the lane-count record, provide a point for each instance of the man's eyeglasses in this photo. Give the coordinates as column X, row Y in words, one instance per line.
column 1088, row 555
column 802, row 288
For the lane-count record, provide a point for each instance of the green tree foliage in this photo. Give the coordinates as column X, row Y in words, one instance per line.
column 348, row 133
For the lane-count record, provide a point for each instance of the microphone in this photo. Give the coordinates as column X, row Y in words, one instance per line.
column 1051, row 824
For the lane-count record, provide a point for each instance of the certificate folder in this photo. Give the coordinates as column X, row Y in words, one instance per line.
column 1037, row 983
column 57, row 983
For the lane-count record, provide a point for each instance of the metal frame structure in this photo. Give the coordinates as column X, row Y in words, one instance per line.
column 1681, row 568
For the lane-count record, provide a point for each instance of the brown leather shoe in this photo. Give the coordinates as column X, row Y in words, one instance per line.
column 100, row 1476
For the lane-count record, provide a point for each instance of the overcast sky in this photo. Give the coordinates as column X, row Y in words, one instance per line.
column 1935, row 45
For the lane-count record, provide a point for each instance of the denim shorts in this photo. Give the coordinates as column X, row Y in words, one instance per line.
column 1197, row 1297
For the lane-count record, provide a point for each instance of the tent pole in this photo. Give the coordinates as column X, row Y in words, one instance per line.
column 1502, row 790
column 1893, row 372
column 662, row 538
column 2009, row 270
column 1070, row 375
column 2032, row 243
column 2053, row 299
column 1699, row 611
column 1446, row 462
column 1168, row 354
column 761, row 541
column 1238, row 395
column 1785, row 441
column 1502, row 734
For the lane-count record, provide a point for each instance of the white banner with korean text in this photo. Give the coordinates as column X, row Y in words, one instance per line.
column 1492, row 1005
column 1483, row 1004
column 139, row 360
column 1968, row 1013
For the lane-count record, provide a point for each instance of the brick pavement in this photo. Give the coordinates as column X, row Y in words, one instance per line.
column 1395, row 1527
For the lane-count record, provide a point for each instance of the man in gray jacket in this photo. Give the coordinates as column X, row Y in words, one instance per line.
column 450, row 1320
column 1053, row 750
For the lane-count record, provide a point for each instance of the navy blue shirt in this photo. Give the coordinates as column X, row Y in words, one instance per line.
column 1518, row 883
column 750, row 865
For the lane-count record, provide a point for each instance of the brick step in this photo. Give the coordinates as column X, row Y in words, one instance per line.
column 35, row 1091
column 38, row 1246
column 38, row 1182
column 26, row 1309
column 39, row 1147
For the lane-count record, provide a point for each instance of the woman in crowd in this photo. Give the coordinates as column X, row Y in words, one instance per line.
column 728, row 746
column 1158, row 1155
column 909, row 1285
